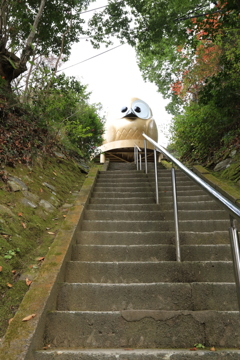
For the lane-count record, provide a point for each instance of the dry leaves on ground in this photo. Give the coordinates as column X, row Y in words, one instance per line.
column 29, row 317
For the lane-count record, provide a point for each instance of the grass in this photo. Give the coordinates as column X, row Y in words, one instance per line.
column 25, row 232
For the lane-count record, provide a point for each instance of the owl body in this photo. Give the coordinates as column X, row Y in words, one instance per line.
column 132, row 123
column 125, row 131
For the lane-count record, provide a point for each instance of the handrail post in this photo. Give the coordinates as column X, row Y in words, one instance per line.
column 140, row 160
column 234, row 239
column 175, row 206
column 156, row 175
column 136, row 155
column 145, row 151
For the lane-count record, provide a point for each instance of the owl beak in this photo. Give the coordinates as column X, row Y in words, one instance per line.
column 130, row 114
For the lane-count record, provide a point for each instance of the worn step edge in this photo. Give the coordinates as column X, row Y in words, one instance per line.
column 149, row 271
column 137, row 354
column 147, row 296
column 155, row 237
column 145, row 252
column 158, row 214
column 155, row 328
column 21, row 337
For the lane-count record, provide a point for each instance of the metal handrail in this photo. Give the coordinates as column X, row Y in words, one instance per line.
column 233, row 211
column 137, row 156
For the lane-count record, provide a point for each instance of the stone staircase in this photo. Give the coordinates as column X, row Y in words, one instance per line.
column 125, row 297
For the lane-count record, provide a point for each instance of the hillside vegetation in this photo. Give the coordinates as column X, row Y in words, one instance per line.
column 49, row 130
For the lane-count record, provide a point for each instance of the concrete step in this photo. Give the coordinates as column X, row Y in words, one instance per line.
column 186, row 192
column 151, row 237
column 148, row 272
column 147, row 296
column 199, row 205
column 124, row 207
column 122, row 195
column 123, row 253
column 180, row 187
column 142, row 329
column 123, row 215
column 166, row 174
column 184, row 197
column 121, row 166
column 124, row 185
column 115, row 225
column 129, row 200
column 123, row 182
column 150, row 253
column 148, row 198
column 167, row 180
column 122, row 188
column 137, row 354
column 139, row 191
column 161, row 225
column 153, row 215
column 122, row 175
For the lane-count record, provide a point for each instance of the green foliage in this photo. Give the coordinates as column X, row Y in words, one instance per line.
column 57, row 115
column 191, row 51
column 194, row 131
column 18, row 17
column 63, row 107
column 85, row 131
column 156, row 29
column 202, row 130
column 11, row 253
column 211, row 125
column 199, row 346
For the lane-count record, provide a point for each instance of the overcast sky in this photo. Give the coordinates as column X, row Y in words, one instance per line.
column 114, row 78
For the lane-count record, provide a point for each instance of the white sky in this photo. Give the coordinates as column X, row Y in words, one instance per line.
column 114, row 78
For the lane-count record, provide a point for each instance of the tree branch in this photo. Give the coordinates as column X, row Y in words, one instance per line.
column 27, row 51
column 196, row 16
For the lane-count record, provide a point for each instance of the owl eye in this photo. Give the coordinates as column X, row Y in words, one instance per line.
column 137, row 109
column 141, row 109
column 124, row 109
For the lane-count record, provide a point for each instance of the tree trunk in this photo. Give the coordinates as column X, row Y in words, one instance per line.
column 10, row 68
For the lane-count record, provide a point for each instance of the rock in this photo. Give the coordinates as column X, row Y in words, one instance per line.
column 233, row 153
column 47, row 206
column 60, row 155
column 83, row 167
column 51, row 187
column 55, row 201
column 223, row 164
column 14, row 186
column 67, row 206
column 17, row 184
column 75, row 193
column 27, row 202
column 30, row 196
column 27, row 178
column 5, row 210
column 41, row 213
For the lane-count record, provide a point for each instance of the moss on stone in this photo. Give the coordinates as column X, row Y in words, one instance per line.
column 29, row 229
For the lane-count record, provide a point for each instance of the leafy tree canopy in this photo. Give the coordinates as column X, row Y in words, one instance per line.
column 190, row 50
column 159, row 30
column 36, row 27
